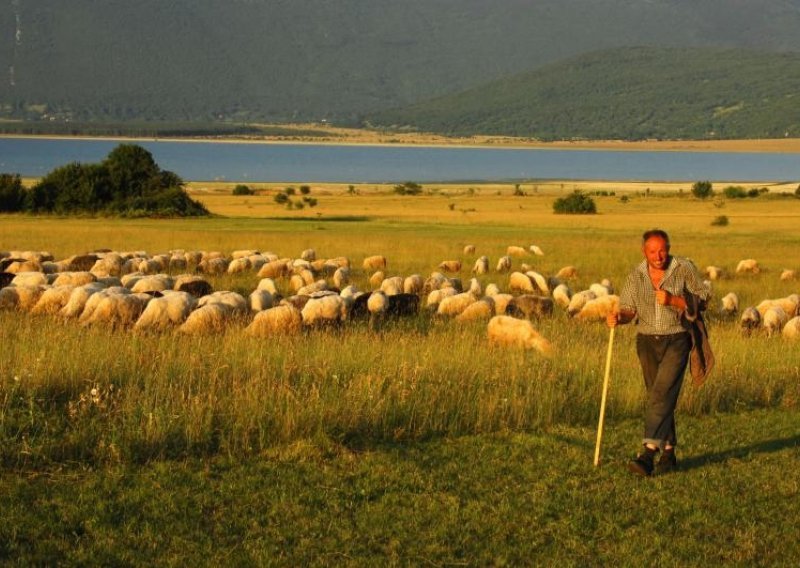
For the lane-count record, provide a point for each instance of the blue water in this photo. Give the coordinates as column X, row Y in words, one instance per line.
column 374, row 164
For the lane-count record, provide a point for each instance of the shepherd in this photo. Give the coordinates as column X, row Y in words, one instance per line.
column 664, row 296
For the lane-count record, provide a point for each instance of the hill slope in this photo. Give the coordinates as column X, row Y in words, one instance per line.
column 308, row 59
column 629, row 93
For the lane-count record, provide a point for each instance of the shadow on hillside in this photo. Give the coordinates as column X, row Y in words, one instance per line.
column 765, row 447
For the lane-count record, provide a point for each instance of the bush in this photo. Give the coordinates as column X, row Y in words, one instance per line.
column 242, row 189
column 702, row 189
column 408, row 188
column 289, row 191
column 734, row 192
column 310, row 201
column 281, row 198
column 721, row 221
column 797, row 191
column 12, row 193
column 305, row 190
column 576, row 203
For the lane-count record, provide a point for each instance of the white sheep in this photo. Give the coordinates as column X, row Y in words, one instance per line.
column 748, row 265
column 562, row 295
column 53, row 300
column 324, row 311
column 481, row 310
column 714, row 272
column 504, row 264
column 239, row 265
column 24, row 266
column 501, row 302
column 481, row 266
column 729, row 304
column 475, row 288
column 309, row 255
column 392, row 286
column 790, row 304
column 455, row 304
column 750, row 320
column 268, row 284
column 376, row 279
column 469, row 249
column 30, row 279
column 22, row 298
column 492, row 289
column 274, row 269
column 161, row 313
column 206, row 319
column 436, row 296
column 213, row 266
column 599, row 308
column 579, row 300
column 519, row 282
column 283, row 319
column 232, row 300
column 375, row 262
column 154, row 283
column 773, row 319
column 117, row 309
column 788, row 275
column 792, row 328
column 539, row 281
column 450, row 266
column 506, row 330
column 413, row 284
column 74, row 279
column 313, row 288
column 243, row 253
column 567, row 273
column 341, row 277
column 514, row 250
column 77, row 300
column 536, row 250
column 600, row 289
column 261, row 300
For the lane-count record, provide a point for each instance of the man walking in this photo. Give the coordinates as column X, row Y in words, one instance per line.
column 656, row 296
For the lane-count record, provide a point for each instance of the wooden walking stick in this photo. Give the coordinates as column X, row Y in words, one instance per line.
column 603, row 399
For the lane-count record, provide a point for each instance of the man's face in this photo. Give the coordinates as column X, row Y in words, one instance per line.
column 656, row 251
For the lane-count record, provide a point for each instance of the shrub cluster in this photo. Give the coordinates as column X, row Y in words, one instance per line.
column 242, row 189
column 408, row 188
column 576, row 203
column 283, row 198
column 128, row 183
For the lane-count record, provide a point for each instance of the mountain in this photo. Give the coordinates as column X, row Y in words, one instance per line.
column 297, row 60
column 627, row 93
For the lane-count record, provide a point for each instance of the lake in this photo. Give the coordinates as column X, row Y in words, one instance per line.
column 228, row 161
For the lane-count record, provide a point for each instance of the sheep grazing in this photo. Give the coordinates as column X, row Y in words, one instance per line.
column 313, row 288
column 392, row 286
column 161, row 313
column 792, row 328
column 599, row 308
column 790, row 304
column 562, row 295
column 213, row 266
column 481, row 310
column 81, row 263
column 268, row 284
column 376, row 279
column 376, row 262
column 116, row 309
column 774, row 319
column 261, row 300
column 206, row 319
column 281, row 319
column 516, row 251
column 519, row 282
column 109, row 265
column 53, row 300
column 503, row 264
column 492, row 289
column 155, row 283
column 22, row 298
column 243, row 253
column 341, row 277
column 713, row 272
column 436, row 296
column 236, row 303
column 750, row 320
column 506, row 330
column 77, row 300
column 18, row 266
column 309, row 255
column 74, row 279
column 729, row 305
column 413, row 284
column 377, row 306
column 747, row 266
column 274, row 269
column 193, row 285
column 536, row 250
column 450, row 266
column 539, row 281
column 239, row 265
column 600, row 289
column 567, row 273
column 481, row 266
column 455, row 304
column 30, row 279
column 469, row 249
column 329, row 310
column 475, row 288
column 579, row 300
column 788, row 275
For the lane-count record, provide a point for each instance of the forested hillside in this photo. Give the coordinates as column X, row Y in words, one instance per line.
column 627, row 94
column 281, row 60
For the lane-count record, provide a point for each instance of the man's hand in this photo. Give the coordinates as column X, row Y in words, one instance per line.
column 663, row 297
column 612, row 319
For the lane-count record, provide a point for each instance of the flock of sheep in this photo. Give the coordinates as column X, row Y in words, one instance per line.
column 139, row 290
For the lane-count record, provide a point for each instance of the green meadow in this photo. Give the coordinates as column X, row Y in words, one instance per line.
column 417, row 444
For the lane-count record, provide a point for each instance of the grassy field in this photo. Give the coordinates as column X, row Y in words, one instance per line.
column 419, row 444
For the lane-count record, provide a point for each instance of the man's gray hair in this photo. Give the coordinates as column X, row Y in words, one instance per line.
column 655, row 233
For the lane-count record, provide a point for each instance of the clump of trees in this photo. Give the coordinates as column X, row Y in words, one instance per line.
column 127, row 183
column 576, row 203
column 284, row 198
column 408, row 188
column 702, row 189
column 242, row 189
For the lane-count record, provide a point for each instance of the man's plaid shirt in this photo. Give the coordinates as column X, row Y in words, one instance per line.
column 638, row 295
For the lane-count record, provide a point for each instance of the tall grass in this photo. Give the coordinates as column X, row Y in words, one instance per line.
column 97, row 395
